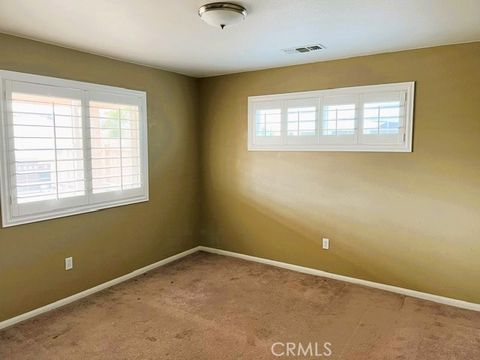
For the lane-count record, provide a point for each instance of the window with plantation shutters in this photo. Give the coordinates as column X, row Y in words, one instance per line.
column 115, row 144
column 69, row 147
column 362, row 118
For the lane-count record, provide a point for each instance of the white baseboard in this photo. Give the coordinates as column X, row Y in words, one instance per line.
column 417, row 294
column 413, row 293
column 80, row 295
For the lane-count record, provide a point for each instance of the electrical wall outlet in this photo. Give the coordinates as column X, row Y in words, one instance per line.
column 69, row 263
column 326, row 243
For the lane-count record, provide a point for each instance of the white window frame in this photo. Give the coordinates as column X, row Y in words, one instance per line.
column 358, row 142
column 94, row 202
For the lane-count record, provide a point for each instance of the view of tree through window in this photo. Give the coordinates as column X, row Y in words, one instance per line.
column 114, row 132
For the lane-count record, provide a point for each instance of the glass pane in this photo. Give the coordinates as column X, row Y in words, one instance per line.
column 268, row 122
column 46, row 131
column 115, row 138
column 339, row 120
column 381, row 118
column 301, row 121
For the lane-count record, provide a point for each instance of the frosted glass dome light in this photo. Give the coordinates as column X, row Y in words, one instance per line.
column 222, row 14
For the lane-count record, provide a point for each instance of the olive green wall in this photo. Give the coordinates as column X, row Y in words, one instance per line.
column 405, row 219
column 112, row 242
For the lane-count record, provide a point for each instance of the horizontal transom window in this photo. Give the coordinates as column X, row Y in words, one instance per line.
column 362, row 118
column 69, row 147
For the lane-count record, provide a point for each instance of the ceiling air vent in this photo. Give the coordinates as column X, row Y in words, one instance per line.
column 304, row 49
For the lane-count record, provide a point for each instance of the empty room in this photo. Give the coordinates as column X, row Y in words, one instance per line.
column 268, row 179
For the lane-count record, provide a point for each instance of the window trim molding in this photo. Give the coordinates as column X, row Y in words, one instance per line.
column 8, row 218
column 406, row 146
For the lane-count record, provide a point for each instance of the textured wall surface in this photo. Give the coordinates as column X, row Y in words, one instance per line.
column 112, row 242
column 405, row 219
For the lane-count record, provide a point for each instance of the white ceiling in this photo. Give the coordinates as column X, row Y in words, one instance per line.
column 170, row 35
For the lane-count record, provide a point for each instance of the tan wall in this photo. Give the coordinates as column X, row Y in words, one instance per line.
column 406, row 219
column 112, row 242
column 411, row 220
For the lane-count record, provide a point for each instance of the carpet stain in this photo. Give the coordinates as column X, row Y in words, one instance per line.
column 184, row 334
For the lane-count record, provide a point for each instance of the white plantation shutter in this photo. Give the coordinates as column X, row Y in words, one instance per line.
column 69, row 147
column 268, row 122
column 383, row 119
column 361, row 118
column 302, row 121
column 45, row 147
column 339, row 119
column 115, row 145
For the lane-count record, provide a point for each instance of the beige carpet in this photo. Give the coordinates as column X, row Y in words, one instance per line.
column 213, row 307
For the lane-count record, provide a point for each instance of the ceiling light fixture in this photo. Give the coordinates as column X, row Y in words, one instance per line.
column 221, row 14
